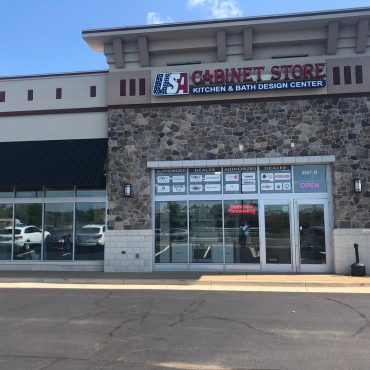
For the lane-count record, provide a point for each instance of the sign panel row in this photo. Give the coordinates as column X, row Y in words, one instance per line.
column 241, row 180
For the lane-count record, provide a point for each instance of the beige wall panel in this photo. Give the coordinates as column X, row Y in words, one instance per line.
column 347, row 42
column 54, row 127
column 303, row 35
column 348, row 53
column 353, row 87
column 113, row 91
column 346, row 30
column 311, row 49
column 234, row 50
column 133, row 66
column 235, row 38
column 75, row 92
column 182, row 44
column 131, row 57
column 204, row 56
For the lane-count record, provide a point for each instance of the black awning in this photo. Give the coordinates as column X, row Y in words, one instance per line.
column 53, row 163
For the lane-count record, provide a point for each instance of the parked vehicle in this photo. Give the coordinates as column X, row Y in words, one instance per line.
column 59, row 243
column 91, row 235
column 27, row 240
column 313, row 243
column 65, row 243
column 24, row 236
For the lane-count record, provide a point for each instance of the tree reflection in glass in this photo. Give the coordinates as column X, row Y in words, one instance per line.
column 6, row 231
column 171, row 232
column 241, row 231
column 90, row 231
column 205, row 228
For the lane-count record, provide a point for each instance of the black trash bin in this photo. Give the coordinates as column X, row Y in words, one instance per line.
column 357, row 269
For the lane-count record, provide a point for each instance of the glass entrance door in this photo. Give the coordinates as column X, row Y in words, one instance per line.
column 277, row 253
column 312, row 236
column 295, row 236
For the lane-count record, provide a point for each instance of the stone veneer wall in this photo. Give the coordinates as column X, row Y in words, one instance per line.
column 344, row 253
column 322, row 126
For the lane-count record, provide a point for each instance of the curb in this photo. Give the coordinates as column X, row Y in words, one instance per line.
column 183, row 282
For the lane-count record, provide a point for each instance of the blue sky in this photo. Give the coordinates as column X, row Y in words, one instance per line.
column 44, row 36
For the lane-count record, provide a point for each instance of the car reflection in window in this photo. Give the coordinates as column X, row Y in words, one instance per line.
column 90, row 235
column 90, row 240
column 59, row 246
column 313, row 245
column 27, row 240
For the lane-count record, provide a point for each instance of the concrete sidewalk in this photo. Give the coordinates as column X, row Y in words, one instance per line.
column 184, row 278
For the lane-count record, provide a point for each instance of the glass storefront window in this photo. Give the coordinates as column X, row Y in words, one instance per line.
column 6, row 231
column 171, row 232
column 241, row 231
column 55, row 192
column 58, row 229
column 29, row 193
column 90, row 231
column 90, row 193
column 29, row 239
column 222, row 227
column 277, row 229
column 27, row 236
column 6, row 193
column 205, row 231
column 312, row 234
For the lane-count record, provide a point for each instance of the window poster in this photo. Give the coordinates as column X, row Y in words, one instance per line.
column 276, row 179
column 204, row 181
column 171, row 182
column 239, row 180
column 249, row 180
column 310, row 179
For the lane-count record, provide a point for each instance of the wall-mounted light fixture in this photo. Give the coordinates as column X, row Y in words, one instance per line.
column 127, row 190
column 357, row 186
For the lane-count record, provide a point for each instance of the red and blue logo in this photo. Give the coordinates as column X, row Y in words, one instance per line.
column 175, row 83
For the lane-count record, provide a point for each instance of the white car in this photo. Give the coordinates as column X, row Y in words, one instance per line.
column 91, row 235
column 24, row 236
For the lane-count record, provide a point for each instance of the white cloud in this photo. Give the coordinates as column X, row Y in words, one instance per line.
column 218, row 8
column 196, row 3
column 156, row 18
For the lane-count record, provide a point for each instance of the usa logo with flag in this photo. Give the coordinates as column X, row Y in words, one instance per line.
column 175, row 83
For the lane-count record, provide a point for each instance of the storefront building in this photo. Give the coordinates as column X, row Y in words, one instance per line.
column 228, row 145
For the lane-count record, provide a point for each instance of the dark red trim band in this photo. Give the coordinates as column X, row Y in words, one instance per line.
column 52, row 111
column 236, row 101
column 154, row 105
column 54, row 75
